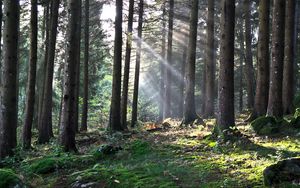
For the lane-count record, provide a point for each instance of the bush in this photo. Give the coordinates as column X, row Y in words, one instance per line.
column 265, row 125
column 9, row 179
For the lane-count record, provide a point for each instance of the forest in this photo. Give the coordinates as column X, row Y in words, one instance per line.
column 149, row 93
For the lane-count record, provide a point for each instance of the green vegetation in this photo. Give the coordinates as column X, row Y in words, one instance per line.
column 167, row 158
column 265, row 125
column 8, row 178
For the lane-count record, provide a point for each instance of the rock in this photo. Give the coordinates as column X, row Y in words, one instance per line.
column 265, row 125
column 107, row 150
column 283, row 171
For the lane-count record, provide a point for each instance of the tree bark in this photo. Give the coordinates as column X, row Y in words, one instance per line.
column 30, row 102
column 77, row 71
column 85, row 69
column 181, row 81
column 168, row 89
column 115, row 114
column 249, row 72
column 276, row 73
column 137, row 65
column 67, row 127
column 226, row 74
column 210, row 62
column 45, row 124
column 8, row 112
column 189, row 114
column 289, row 58
column 127, row 66
column 263, row 63
column 241, row 71
column 43, row 66
column 162, row 64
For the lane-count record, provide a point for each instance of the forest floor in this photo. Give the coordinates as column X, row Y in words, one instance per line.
column 154, row 156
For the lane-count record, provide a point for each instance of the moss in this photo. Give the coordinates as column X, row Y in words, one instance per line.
column 265, row 125
column 139, row 147
column 8, row 178
column 44, row 166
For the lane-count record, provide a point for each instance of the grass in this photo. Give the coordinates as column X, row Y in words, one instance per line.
column 168, row 158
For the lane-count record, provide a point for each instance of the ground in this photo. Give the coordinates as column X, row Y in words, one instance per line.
column 156, row 156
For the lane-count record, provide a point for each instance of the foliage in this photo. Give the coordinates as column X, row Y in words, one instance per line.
column 9, row 179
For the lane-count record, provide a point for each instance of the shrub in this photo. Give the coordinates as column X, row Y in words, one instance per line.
column 9, row 179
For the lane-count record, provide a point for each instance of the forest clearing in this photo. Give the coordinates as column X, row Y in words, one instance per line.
column 160, row 156
column 149, row 93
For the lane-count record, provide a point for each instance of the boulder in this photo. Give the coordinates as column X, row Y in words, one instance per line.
column 265, row 125
column 283, row 171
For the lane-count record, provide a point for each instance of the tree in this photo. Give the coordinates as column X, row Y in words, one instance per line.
column 225, row 117
column 68, row 117
column 115, row 114
column 168, row 84
column 30, row 102
column 9, row 113
column 189, row 113
column 42, row 69
column 276, row 71
column 263, row 72
column 249, row 73
column 127, row 66
column 85, row 69
column 137, row 65
column 210, row 62
column 77, row 70
column 289, row 58
column 162, row 63
column 45, row 124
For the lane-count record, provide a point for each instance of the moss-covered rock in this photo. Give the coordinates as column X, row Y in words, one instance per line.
column 283, row 171
column 45, row 165
column 9, row 179
column 295, row 119
column 106, row 150
column 265, row 125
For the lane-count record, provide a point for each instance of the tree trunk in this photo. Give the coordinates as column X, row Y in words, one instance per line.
column 210, row 62
column 189, row 114
column 137, row 65
column 249, row 72
column 77, row 71
column 226, row 74
column 241, row 71
column 263, row 65
column 168, row 90
column 181, row 81
column 85, row 69
column 127, row 66
column 9, row 113
column 115, row 114
column 29, row 108
column 43, row 66
column 162, row 64
column 276, row 73
column 289, row 58
column 67, row 127
column 45, row 124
